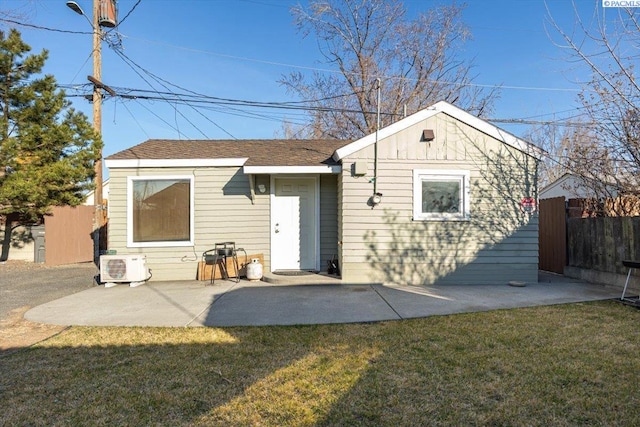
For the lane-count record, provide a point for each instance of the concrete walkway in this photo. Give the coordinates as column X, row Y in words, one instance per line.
column 297, row 301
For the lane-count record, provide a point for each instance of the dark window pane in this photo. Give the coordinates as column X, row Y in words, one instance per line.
column 161, row 210
column 440, row 196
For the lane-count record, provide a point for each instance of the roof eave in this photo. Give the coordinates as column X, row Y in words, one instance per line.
column 288, row 170
column 451, row 110
column 173, row 163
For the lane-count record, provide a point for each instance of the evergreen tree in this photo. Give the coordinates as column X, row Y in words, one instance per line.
column 47, row 149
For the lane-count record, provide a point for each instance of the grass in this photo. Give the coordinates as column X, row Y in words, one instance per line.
column 573, row 364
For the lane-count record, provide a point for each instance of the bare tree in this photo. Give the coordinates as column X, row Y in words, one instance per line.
column 567, row 146
column 10, row 12
column 607, row 46
column 370, row 41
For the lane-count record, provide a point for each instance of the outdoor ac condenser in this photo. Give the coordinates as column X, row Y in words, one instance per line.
column 123, row 268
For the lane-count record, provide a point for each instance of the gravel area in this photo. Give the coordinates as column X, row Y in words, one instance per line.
column 24, row 285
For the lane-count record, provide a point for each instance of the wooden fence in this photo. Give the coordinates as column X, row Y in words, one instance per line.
column 602, row 244
column 552, row 235
column 69, row 235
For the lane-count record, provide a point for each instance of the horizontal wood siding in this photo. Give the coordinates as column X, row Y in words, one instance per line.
column 328, row 219
column 383, row 244
column 341, row 180
column 223, row 212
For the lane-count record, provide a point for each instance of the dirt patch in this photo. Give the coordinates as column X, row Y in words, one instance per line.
column 18, row 265
column 25, row 285
column 17, row 333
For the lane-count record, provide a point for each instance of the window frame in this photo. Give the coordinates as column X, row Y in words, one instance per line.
column 461, row 175
column 159, row 244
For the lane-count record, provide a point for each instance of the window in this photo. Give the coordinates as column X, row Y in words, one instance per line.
column 160, row 211
column 440, row 195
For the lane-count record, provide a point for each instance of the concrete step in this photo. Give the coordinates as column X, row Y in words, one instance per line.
column 305, row 278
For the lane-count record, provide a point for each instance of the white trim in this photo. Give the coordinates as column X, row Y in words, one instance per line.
column 451, row 110
column 489, row 129
column 383, row 133
column 453, row 174
column 173, row 163
column 284, row 170
column 130, row 242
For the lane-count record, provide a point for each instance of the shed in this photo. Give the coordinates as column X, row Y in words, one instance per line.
column 434, row 198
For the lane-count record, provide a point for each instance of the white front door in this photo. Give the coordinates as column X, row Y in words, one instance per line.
column 294, row 224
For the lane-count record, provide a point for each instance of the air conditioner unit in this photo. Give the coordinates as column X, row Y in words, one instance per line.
column 123, row 268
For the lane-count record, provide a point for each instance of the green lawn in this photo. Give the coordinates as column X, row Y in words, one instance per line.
column 576, row 364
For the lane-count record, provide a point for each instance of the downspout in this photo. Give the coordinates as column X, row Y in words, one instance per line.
column 376, row 198
column 252, row 188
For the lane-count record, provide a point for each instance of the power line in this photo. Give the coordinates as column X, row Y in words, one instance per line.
column 191, row 101
column 39, row 27
column 294, row 66
column 129, row 13
column 195, row 101
column 135, row 119
column 326, row 70
column 126, row 61
column 543, row 122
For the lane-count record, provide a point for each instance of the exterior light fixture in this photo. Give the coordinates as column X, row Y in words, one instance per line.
column 75, row 7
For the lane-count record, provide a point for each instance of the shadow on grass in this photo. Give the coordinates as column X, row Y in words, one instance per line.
column 559, row 365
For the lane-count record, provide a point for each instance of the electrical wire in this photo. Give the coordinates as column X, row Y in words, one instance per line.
column 129, row 13
column 292, row 66
column 208, row 102
column 132, row 65
column 39, row 27
column 124, row 104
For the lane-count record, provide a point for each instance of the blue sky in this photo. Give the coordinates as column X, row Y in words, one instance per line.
column 239, row 49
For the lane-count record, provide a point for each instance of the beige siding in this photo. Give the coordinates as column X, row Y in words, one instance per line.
column 384, row 244
column 328, row 219
column 223, row 212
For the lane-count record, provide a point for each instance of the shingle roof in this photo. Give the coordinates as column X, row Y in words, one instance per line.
column 260, row 152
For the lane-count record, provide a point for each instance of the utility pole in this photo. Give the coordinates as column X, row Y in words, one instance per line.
column 104, row 14
column 97, row 118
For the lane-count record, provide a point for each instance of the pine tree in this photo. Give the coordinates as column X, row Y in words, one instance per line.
column 47, row 149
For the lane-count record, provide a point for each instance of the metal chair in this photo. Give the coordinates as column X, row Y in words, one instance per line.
column 221, row 252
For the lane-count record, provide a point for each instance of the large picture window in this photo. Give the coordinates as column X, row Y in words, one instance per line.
column 160, row 211
column 440, row 195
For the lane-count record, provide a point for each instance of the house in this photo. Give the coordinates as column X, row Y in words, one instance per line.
column 89, row 197
column 434, row 198
column 572, row 186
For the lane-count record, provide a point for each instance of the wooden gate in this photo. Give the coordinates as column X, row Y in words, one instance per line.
column 68, row 235
column 552, row 235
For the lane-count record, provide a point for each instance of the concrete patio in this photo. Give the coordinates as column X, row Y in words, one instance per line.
column 298, row 300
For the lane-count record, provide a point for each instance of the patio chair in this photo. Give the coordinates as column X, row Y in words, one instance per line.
column 218, row 256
